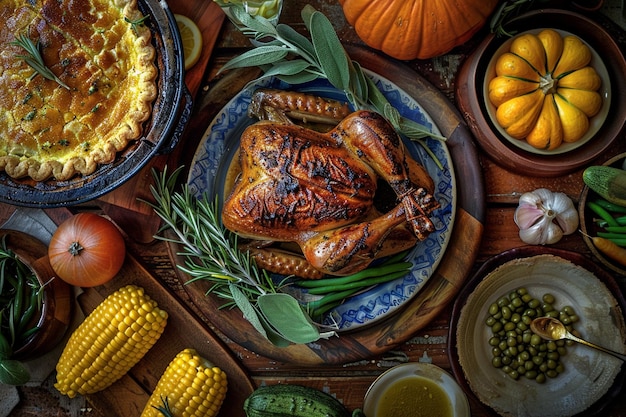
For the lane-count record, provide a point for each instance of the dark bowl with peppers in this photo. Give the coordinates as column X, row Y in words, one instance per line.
column 36, row 305
column 594, row 212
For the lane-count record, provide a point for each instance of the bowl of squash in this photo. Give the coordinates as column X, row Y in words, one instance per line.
column 542, row 101
column 547, row 91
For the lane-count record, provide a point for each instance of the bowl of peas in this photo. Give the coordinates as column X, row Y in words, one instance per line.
column 498, row 359
column 603, row 224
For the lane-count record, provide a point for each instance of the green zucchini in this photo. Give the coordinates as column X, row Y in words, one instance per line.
column 608, row 182
column 287, row 400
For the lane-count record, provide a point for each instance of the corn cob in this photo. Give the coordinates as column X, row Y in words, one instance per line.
column 110, row 341
column 191, row 386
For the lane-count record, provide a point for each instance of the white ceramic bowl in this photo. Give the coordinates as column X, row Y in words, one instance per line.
column 379, row 388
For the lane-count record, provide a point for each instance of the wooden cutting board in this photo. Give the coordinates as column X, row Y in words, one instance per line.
column 123, row 204
column 128, row 396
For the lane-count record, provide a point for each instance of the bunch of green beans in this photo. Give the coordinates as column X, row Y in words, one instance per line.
column 20, row 299
column 611, row 220
column 335, row 290
column 515, row 348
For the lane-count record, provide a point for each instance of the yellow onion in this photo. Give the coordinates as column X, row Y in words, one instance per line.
column 544, row 217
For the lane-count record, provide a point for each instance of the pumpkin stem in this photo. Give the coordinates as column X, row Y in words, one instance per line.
column 75, row 249
column 547, row 84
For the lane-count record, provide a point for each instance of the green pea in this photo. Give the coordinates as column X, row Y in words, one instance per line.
column 548, row 298
column 493, row 309
column 496, row 361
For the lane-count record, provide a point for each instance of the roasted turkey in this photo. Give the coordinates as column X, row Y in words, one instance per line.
column 316, row 189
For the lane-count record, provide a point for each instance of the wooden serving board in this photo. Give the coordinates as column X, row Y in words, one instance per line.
column 128, row 396
column 123, row 204
column 441, row 287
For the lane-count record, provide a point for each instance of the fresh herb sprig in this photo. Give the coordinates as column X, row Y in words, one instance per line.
column 211, row 254
column 284, row 53
column 507, row 10
column 136, row 23
column 34, row 59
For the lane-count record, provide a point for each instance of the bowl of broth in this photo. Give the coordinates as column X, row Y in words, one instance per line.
column 415, row 389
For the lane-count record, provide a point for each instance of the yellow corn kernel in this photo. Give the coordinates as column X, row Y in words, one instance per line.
column 191, row 386
column 104, row 347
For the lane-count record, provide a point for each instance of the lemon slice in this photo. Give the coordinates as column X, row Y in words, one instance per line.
column 191, row 38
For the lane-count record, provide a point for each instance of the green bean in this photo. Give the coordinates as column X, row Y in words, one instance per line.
column 615, row 229
column 611, row 207
column 25, row 335
column 321, row 306
column 20, row 295
column 364, row 283
column 621, row 220
column 28, row 314
column 600, row 211
column 366, row 273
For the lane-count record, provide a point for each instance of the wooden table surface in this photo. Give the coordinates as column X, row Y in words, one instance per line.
column 348, row 382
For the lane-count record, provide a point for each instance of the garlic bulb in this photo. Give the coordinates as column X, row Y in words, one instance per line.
column 544, row 217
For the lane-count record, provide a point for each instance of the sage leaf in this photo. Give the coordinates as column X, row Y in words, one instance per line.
column 248, row 310
column 285, row 314
column 359, row 84
column 292, row 67
column 272, row 334
column 329, row 51
column 414, row 130
column 13, row 372
column 298, row 40
column 301, row 78
column 256, row 57
column 257, row 24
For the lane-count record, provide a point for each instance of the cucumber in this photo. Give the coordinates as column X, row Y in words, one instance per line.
column 287, row 400
column 608, row 182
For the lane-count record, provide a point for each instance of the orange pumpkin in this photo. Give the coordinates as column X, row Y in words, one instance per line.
column 410, row 29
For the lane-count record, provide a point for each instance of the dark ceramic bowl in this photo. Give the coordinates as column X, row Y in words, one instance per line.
column 470, row 96
column 587, row 224
column 56, row 312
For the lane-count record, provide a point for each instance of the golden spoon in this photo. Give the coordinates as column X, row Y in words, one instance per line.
column 552, row 329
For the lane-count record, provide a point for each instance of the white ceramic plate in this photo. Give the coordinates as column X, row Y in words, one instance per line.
column 221, row 141
column 595, row 123
column 588, row 374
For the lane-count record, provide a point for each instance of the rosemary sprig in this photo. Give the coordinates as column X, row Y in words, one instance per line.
column 135, row 23
column 211, row 254
column 284, row 53
column 34, row 59
column 209, row 249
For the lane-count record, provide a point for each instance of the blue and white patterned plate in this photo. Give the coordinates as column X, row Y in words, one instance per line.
column 210, row 164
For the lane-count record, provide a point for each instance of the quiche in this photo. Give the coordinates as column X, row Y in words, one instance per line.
column 93, row 103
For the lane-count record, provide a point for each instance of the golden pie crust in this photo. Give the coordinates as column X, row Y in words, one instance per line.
column 102, row 52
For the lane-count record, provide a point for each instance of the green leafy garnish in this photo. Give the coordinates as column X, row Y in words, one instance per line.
column 284, row 53
column 135, row 23
column 34, row 59
column 13, row 372
column 211, row 254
